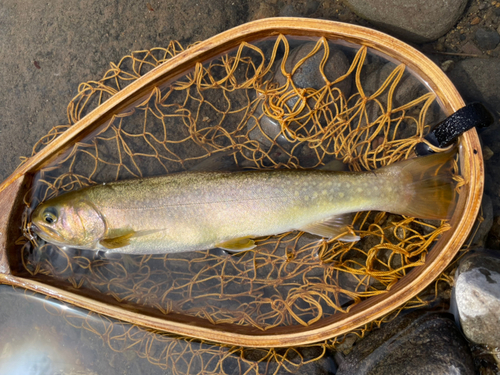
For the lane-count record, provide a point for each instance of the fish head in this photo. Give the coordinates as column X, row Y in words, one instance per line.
column 68, row 220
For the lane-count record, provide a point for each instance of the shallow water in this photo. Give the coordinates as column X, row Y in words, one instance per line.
column 42, row 336
column 288, row 279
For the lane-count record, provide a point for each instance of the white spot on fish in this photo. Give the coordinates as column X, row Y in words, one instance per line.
column 341, row 195
column 306, row 198
column 359, row 190
column 324, row 192
column 296, row 193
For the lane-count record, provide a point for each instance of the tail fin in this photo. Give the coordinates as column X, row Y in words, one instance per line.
column 429, row 185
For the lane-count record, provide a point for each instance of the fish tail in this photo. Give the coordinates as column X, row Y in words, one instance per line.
column 428, row 184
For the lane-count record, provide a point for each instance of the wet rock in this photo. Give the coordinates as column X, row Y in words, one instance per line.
column 493, row 239
column 306, row 76
column 477, row 297
column 487, row 39
column 407, row 89
column 414, row 20
column 478, row 80
column 309, row 75
column 415, row 343
column 484, row 222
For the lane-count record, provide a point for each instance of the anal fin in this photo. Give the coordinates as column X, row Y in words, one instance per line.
column 237, row 244
column 333, row 227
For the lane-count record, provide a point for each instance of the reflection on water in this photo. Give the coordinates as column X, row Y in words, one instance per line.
column 47, row 337
column 245, row 103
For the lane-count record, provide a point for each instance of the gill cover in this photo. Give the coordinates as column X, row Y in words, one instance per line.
column 69, row 221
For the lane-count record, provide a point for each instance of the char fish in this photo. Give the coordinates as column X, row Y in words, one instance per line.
column 190, row 211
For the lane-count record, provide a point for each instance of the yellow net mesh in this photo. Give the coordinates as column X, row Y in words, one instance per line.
column 248, row 102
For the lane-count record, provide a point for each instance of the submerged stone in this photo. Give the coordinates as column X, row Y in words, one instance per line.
column 413, row 344
column 308, row 75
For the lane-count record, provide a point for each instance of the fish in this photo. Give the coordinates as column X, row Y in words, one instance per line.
column 199, row 210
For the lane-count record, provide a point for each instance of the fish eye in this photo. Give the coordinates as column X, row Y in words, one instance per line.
column 49, row 216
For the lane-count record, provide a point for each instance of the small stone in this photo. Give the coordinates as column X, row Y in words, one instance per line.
column 475, row 21
column 471, row 49
column 497, row 12
column 439, row 46
column 415, row 343
column 477, row 297
column 487, row 39
column 487, row 153
column 482, row 6
column 447, row 65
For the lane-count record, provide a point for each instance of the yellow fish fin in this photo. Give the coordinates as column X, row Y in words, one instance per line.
column 123, row 239
column 117, row 242
column 333, row 227
column 237, row 244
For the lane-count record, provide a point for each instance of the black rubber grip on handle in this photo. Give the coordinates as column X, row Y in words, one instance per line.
column 445, row 133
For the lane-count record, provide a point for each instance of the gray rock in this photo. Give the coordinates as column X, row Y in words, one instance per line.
column 487, row 39
column 408, row 88
column 483, row 226
column 414, row 20
column 415, row 343
column 477, row 297
column 478, row 80
column 308, row 74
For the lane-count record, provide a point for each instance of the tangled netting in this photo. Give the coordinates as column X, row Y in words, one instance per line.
column 276, row 103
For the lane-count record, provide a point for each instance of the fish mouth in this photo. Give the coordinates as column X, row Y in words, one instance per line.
column 45, row 233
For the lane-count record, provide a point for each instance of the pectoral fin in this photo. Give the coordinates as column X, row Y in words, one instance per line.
column 117, row 242
column 237, row 245
column 123, row 239
column 332, row 227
